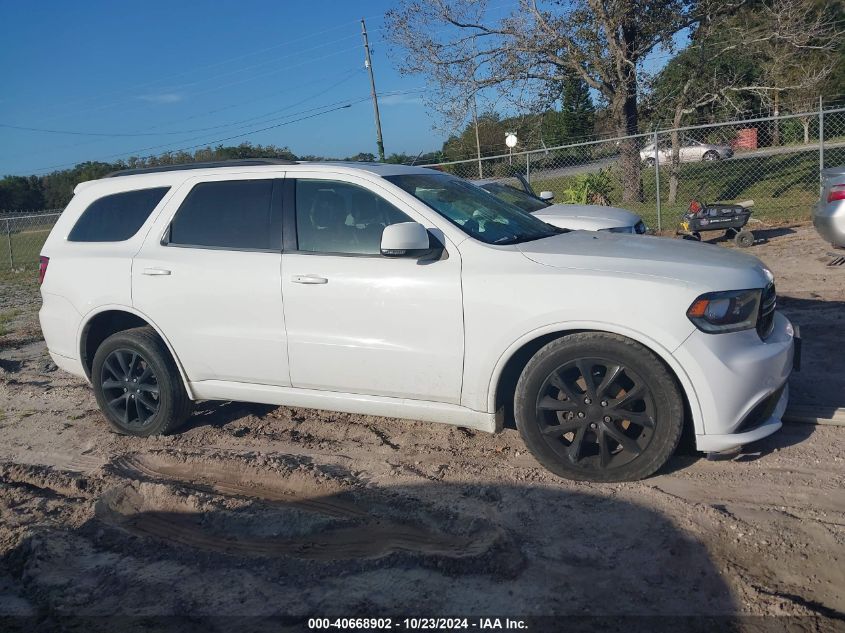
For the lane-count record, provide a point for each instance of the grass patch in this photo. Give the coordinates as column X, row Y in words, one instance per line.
column 6, row 317
column 19, row 251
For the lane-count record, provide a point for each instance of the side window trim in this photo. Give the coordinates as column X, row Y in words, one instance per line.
column 277, row 214
column 289, row 236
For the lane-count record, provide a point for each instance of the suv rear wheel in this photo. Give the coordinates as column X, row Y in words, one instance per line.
column 137, row 384
column 598, row 407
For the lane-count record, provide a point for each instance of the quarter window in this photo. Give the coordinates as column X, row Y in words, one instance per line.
column 116, row 217
column 338, row 217
column 234, row 214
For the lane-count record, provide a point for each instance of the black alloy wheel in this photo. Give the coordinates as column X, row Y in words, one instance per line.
column 596, row 406
column 130, row 386
column 596, row 413
column 138, row 385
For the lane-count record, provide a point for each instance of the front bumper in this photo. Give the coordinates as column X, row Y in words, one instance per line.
column 719, row 443
column 739, row 383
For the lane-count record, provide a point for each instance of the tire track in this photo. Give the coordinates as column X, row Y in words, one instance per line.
column 341, row 523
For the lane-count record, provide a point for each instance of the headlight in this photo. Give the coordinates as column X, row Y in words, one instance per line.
column 619, row 229
column 720, row 312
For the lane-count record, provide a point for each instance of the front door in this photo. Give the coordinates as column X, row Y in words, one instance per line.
column 358, row 322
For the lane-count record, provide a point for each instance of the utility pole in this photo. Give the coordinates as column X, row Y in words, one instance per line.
column 477, row 139
column 369, row 65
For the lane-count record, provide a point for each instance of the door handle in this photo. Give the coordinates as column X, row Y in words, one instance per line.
column 156, row 271
column 308, row 279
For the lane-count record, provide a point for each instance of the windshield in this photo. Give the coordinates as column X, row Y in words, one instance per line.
column 524, row 201
column 476, row 212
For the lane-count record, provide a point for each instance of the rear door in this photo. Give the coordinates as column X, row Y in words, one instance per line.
column 208, row 274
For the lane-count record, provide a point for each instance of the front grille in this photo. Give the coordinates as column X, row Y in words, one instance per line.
column 761, row 412
column 766, row 316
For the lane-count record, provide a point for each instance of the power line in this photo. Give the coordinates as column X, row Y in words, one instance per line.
column 223, row 62
column 284, row 68
column 346, row 104
column 347, row 74
column 176, row 132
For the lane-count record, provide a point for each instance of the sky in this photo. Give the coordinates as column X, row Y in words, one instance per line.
column 207, row 71
column 184, row 75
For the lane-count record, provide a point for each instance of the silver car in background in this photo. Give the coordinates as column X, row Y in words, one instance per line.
column 829, row 214
column 580, row 217
column 691, row 152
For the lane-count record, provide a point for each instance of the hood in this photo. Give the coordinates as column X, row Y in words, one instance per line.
column 705, row 266
column 588, row 217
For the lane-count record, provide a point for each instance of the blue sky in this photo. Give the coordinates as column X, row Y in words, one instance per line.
column 178, row 74
column 153, row 66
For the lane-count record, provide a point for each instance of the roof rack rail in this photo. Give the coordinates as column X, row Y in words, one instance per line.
column 238, row 162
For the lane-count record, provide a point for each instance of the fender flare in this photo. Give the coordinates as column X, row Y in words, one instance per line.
column 86, row 319
column 659, row 350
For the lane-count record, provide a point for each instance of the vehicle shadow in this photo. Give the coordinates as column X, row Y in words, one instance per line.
column 271, row 551
column 220, row 413
column 761, row 235
column 821, row 381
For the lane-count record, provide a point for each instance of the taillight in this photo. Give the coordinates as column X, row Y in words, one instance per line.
column 837, row 192
column 42, row 268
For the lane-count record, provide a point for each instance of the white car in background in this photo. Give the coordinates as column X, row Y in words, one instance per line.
column 575, row 217
column 408, row 293
column 691, row 151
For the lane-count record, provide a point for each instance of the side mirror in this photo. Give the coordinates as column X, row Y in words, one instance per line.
column 405, row 239
column 547, row 195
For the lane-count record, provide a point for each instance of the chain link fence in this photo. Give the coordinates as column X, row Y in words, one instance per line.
column 775, row 161
column 22, row 235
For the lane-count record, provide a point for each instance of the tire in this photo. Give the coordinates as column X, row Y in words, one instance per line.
column 621, row 449
column 137, row 384
column 744, row 239
column 648, row 162
column 711, row 155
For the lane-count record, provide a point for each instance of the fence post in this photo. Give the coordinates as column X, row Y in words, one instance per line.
column 9, row 242
column 657, row 179
column 821, row 144
column 528, row 168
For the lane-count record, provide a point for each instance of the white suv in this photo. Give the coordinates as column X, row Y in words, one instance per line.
column 405, row 292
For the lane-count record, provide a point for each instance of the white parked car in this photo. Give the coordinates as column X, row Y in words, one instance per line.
column 405, row 292
column 691, row 151
column 584, row 217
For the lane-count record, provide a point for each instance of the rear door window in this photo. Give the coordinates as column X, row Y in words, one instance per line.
column 231, row 214
column 116, row 217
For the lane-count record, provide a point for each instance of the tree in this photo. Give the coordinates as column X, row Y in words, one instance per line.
column 602, row 42
column 795, row 42
column 366, row 157
column 21, row 193
column 576, row 117
column 701, row 75
column 768, row 52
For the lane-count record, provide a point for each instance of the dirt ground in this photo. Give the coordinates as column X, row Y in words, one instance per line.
column 262, row 511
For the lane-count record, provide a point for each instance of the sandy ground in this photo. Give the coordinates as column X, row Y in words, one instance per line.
column 261, row 511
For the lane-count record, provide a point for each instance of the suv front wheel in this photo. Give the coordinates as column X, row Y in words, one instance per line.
column 137, row 384
column 598, row 407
